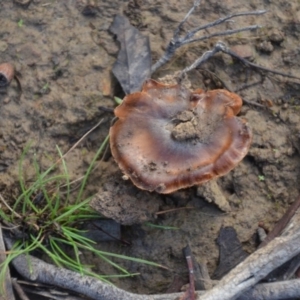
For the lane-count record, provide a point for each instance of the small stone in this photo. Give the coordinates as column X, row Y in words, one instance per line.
column 3, row 46
column 276, row 36
column 261, row 234
column 125, row 177
column 277, row 154
column 244, row 51
column 6, row 100
column 61, row 143
column 290, row 56
column 89, row 11
column 211, row 192
column 265, row 46
column 290, row 151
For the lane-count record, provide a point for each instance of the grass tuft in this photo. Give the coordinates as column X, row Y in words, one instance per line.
column 50, row 221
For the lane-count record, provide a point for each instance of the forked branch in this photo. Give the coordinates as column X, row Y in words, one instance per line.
column 177, row 41
column 221, row 47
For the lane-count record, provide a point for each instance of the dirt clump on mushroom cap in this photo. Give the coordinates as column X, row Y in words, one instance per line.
column 168, row 138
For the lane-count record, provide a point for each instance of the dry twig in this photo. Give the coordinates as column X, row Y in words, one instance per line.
column 281, row 225
column 6, row 290
column 221, row 47
column 177, row 41
column 259, row 264
column 19, row 290
column 243, row 277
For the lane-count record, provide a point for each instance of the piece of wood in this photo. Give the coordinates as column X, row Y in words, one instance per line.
column 190, row 293
column 7, row 292
column 95, row 289
column 19, row 290
column 259, row 264
column 289, row 289
column 282, row 223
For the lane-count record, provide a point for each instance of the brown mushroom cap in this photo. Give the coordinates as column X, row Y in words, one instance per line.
column 168, row 138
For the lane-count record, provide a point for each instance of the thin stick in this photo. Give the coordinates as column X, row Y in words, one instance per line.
column 19, row 290
column 253, row 103
column 249, row 85
column 289, row 289
column 6, row 204
column 221, row 47
column 221, row 33
column 177, row 41
column 278, row 228
column 179, row 27
column 212, row 74
column 205, row 56
column 51, row 294
column 190, row 293
column 42, row 272
column 6, row 290
column 222, row 20
column 248, row 63
column 19, row 87
column 81, row 177
column 293, row 267
column 110, row 235
column 79, row 141
column 256, row 267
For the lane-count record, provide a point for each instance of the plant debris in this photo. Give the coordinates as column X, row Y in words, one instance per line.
column 133, row 65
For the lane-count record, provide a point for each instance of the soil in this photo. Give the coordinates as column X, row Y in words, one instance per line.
column 64, row 53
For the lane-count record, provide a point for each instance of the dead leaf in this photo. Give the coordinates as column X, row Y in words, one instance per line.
column 231, row 252
column 133, row 65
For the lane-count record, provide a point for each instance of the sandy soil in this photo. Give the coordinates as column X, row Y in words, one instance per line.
column 64, row 60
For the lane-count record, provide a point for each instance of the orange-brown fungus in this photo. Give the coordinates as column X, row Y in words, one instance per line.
column 167, row 137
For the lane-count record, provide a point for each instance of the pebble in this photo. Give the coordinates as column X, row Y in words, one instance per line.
column 261, row 234
column 3, row 46
column 277, row 154
column 244, row 51
column 6, row 100
column 290, row 56
column 285, row 106
column 265, row 46
column 276, row 36
column 290, row 151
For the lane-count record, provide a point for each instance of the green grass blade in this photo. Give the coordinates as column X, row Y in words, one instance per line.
column 65, row 168
column 70, row 210
column 87, row 174
column 161, row 226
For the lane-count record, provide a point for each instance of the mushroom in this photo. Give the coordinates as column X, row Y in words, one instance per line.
column 168, row 138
